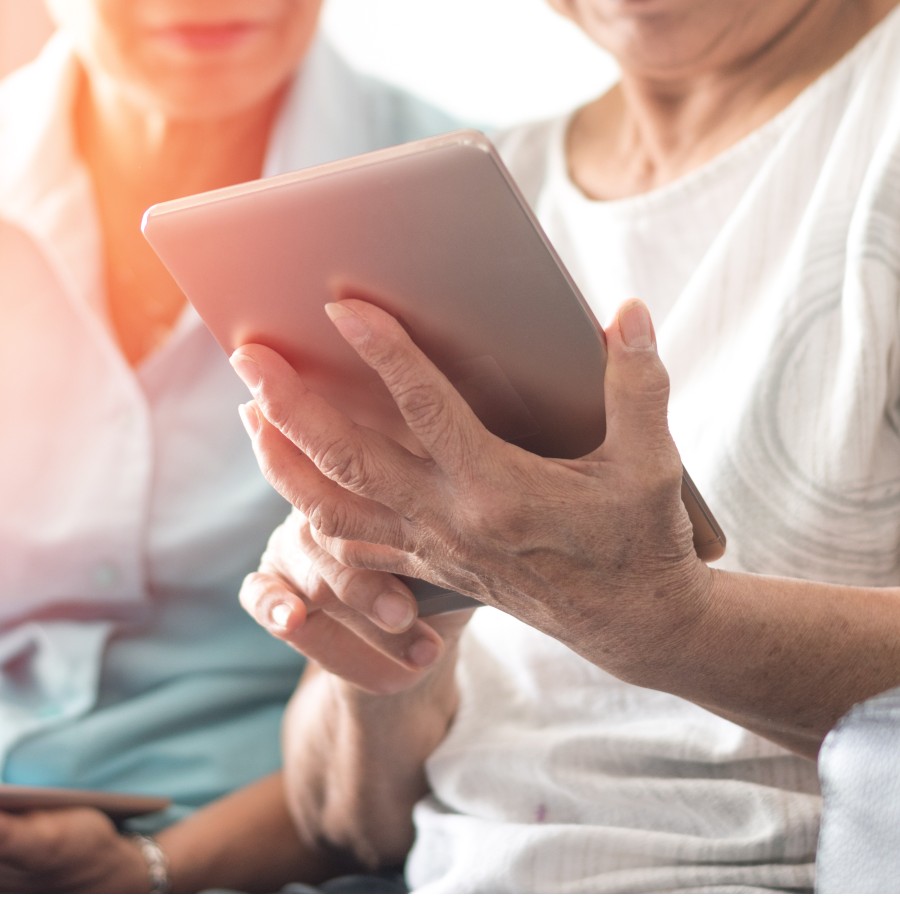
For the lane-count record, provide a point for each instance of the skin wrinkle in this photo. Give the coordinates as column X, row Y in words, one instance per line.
column 481, row 516
column 667, row 123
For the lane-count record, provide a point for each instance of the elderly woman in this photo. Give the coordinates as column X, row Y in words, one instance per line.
column 625, row 717
column 131, row 505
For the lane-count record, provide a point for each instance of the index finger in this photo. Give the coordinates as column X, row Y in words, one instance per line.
column 434, row 411
column 359, row 459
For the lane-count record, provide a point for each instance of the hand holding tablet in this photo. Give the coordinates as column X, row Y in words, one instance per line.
column 436, row 233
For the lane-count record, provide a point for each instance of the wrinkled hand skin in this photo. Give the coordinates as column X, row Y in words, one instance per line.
column 596, row 552
column 67, row 851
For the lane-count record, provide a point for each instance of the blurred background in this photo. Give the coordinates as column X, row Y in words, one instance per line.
column 491, row 61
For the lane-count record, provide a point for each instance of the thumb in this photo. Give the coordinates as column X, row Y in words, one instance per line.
column 636, row 385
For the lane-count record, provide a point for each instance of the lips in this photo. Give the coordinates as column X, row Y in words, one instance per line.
column 208, row 37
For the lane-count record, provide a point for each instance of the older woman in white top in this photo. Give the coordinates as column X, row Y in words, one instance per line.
column 626, row 718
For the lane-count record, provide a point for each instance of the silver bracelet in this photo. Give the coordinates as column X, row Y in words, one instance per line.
column 157, row 863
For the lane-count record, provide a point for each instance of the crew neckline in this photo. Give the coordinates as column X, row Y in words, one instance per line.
column 721, row 165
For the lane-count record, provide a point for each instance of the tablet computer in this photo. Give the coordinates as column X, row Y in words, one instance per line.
column 22, row 798
column 437, row 233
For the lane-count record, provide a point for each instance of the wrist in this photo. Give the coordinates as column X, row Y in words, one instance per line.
column 674, row 621
column 156, row 864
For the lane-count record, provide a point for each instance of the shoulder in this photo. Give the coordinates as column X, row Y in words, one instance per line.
column 407, row 115
column 393, row 113
column 333, row 110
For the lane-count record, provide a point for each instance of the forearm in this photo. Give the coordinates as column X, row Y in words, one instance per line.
column 354, row 762
column 785, row 658
column 245, row 841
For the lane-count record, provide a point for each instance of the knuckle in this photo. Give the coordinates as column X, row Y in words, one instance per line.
column 358, row 586
column 279, row 410
column 485, row 517
column 657, row 386
column 642, row 376
column 319, row 592
column 348, row 554
column 661, row 477
column 421, row 407
column 328, row 517
column 491, row 508
column 651, row 389
column 511, row 526
column 339, row 461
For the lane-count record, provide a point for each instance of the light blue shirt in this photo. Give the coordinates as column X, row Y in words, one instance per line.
column 131, row 506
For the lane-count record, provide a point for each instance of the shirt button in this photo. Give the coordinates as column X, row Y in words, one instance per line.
column 106, row 574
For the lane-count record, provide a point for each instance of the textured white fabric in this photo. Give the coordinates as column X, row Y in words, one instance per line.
column 773, row 275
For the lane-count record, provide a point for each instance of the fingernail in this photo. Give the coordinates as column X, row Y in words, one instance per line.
column 394, row 610
column 280, row 615
column 352, row 326
column 635, row 325
column 250, row 418
column 423, row 654
column 247, row 369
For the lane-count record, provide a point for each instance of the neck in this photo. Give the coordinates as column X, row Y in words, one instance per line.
column 151, row 157
column 137, row 158
column 658, row 124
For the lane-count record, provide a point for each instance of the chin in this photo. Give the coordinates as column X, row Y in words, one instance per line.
column 205, row 98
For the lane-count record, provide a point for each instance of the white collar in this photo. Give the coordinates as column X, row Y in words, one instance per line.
column 35, row 111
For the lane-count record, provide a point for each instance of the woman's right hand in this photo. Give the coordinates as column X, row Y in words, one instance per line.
column 357, row 624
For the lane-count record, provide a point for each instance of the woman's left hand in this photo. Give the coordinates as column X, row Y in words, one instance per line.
column 596, row 551
column 68, row 851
